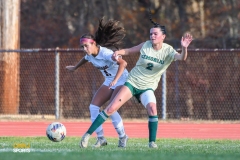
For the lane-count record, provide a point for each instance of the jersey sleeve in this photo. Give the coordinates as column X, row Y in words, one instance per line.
column 86, row 57
column 172, row 53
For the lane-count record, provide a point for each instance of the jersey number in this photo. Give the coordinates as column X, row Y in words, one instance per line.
column 107, row 74
column 149, row 66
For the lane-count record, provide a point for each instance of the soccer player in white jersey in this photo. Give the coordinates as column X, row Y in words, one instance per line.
column 113, row 70
column 155, row 57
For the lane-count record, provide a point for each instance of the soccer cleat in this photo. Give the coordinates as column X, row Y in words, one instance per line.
column 152, row 145
column 101, row 141
column 123, row 141
column 84, row 140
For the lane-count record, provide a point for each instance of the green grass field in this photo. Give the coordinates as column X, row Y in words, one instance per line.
column 180, row 149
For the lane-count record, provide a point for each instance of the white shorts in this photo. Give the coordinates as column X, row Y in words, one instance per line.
column 120, row 81
column 147, row 97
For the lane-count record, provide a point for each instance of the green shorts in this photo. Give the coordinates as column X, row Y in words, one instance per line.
column 136, row 92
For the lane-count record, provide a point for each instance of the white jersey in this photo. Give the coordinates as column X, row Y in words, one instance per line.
column 103, row 61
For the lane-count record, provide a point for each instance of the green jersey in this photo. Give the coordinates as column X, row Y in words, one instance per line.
column 150, row 66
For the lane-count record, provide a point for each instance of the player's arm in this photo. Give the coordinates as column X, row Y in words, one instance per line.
column 79, row 64
column 122, row 65
column 186, row 40
column 129, row 51
column 182, row 56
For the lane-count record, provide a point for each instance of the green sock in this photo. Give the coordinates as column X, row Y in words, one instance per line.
column 101, row 118
column 152, row 127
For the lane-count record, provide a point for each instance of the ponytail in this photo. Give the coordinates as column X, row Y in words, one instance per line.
column 110, row 34
column 156, row 25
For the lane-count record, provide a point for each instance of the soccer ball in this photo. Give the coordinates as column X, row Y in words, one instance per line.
column 56, row 131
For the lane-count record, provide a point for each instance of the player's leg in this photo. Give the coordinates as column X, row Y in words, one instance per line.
column 102, row 95
column 118, row 123
column 148, row 99
column 122, row 96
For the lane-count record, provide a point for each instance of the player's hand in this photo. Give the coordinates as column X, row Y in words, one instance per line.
column 112, row 83
column 186, row 40
column 115, row 56
column 71, row 68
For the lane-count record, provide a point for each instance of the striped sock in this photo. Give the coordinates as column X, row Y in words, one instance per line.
column 152, row 127
column 101, row 118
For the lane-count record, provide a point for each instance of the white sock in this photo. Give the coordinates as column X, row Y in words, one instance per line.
column 118, row 124
column 94, row 111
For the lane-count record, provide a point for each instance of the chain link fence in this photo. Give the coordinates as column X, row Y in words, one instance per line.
column 204, row 87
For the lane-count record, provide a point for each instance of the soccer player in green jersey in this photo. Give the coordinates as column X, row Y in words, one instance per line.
column 155, row 57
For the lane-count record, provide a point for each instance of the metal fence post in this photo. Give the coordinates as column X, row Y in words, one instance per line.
column 164, row 95
column 177, row 90
column 57, row 79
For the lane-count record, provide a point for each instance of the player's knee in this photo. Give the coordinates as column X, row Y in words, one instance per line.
column 152, row 108
column 110, row 110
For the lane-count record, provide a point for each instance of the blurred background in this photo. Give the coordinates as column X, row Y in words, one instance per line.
column 34, row 81
column 51, row 23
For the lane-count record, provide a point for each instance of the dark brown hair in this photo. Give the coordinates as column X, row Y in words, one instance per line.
column 109, row 34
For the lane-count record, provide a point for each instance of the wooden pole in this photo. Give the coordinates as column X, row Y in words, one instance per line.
column 9, row 61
